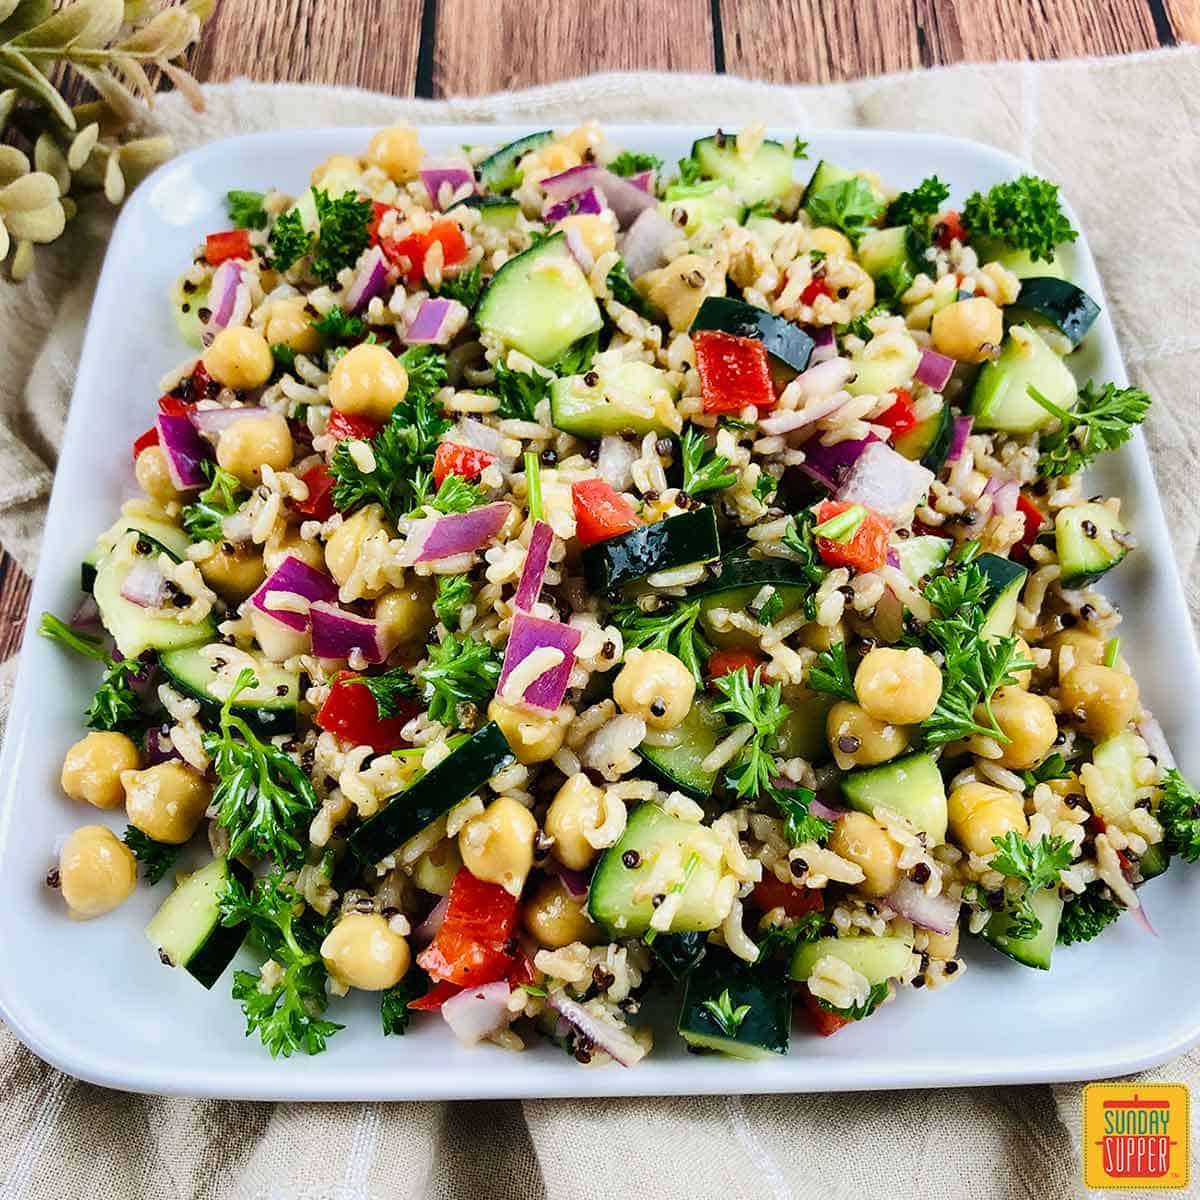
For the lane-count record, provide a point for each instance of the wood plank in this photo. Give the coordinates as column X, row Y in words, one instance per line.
column 1181, row 17
column 364, row 43
column 14, row 604
column 485, row 46
column 809, row 41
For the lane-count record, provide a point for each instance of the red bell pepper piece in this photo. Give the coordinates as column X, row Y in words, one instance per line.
column 725, row 662
column 378, row 211
column 433, row 999
column 144, row 440
column 771, row 893
column 823, row 1021
column 472, row 946
column 901, row 417
column 1034, row 520
column 865, row 551
column 320, row 483
column 451, row 458
column 350, row 712
column 233, row 243
column 172, row 406
column 600, row 513
column 816, row 287
column 948, row 229
column 341, row 426
column 735, row 372
column 409, row 253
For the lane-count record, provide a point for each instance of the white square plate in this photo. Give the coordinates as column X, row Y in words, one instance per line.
column 1124, row 1002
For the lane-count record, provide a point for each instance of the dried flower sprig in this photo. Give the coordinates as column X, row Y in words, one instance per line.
column 122, row 50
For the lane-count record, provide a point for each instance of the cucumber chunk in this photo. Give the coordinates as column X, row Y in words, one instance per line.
column 763, row 1030
column 499, row 171
column 802, row 734
column 187, row 929
column 1020, row 262
column 679, row 765
column 1001, row 398
column 678, row 541
column 1154, row 862
column 192, row 672
column 879, row 369
column 928, row 442
column 540, row 302
column 696, row 206
column 1116, row 759
column 185, row 309
column 170, row 538
column 1090, row 540
column 1054, row 302
column 878, row 958
column 1037, row 950
column 911, row 786
column 921, row 556
column 886, row 255
column 498, row 212
column 735, row 588
column 631, row 397
column 764, row 178
column 679, row 952
column 620, row 900
column 1005, row 581
column 784, row 341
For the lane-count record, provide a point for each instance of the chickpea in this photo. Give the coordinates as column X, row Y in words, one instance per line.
column 345, row 544
column 96, row 872
column 830, row 241
column 248, row 445
column 406, row 615
column 1103, row 699
column 397, row 152
column 1024, row 678
column 1028, row 723
column 532, row 737
column 166, row 802
column 335, row 164
column 862, row 840
column 901, row 687
column 968, row 330
column 678, row 289
column 555, row 157
column 859, row 740
column 289, row 543
column 1082, row 648
column 497, row 845
column 92, row 769
column 555, row 918
column 595, row 232
column 575, row 812
column 153, row 476
column 654, row 684
column 233, row 573
column 278, row 641
column 979, row 812
column 362, row 951
column 239, row 358
column 368, row 381
column 942, row 945
column 288, row 324
column 435, row 870
column 821, row 637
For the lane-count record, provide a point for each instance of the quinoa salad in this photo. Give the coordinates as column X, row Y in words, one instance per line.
column 556, row 577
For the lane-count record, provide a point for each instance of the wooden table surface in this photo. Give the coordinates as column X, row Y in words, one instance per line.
column 471, row 47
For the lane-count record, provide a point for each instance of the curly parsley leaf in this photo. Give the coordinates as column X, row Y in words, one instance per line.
column 454, row 495
column 1023, row 213
column 775, row 938
column 758, row 704
column 519, row 392
column 1098, row 423
column 289, row 241
column 953, row 591
column 690, row 172
column 246, row 209
column 394, row 1012
column 1054, row 767
column 1037, row 865
column 263, row 795
column 831, row 673
column 203, row 518
column 338, row 326
column 344, row 233
column 704, row 470
column 674, row 628
column 859, row 1012
column 285, row 361
column 465, row 287
column 387, row 689
column 918, row 204
column 634, row 162
column 799, row 824
column 454, row 593
column 115, row 707
column 287, row 1015
column 157, row 858
column 1086, row 916
column 851, row 205
column 577, row 358
column 727, row 1018
column 1179, row 813
column 860, row 327
column 623, row 290
column 458, row 670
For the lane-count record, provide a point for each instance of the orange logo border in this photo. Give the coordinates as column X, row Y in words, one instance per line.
column 1093, row 1098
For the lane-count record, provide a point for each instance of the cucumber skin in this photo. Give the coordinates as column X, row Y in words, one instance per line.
column 786, row 342
column 764, row 1030
column 1064, row 305
column 689, row 537
column 499, row 170
column 209, row 963
column 265, row 719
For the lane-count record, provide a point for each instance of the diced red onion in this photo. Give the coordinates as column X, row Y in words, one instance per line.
column 646, row 242
column 478, row 1012
column 159, row 747
column 228, row 299
column 575, row 883
column 459, row 176
column 643, row 180
column 294, row 575
column 939, row 913
column 433, row 323
column 958, row 439
column 824, row 345
column 618, row 1044
column 531, row 633
column 615, row 461
column 533, row 573
column 830, row 464
column 799, row 418
column 1156, row 741
column 428, row 928
column 435, row 538
column 185, row 449
column 579, row 249
column 86, row 615
column 893, row 558
column 144, row 584
column 887, row 483
column 213, row 421
column 587, row 202
column 820, row 806
column 934, row 369
column 337, row 633
column 371, row 280
column 1139, row 915
column 624, row 198
column 1004, row 493
column 484, row 437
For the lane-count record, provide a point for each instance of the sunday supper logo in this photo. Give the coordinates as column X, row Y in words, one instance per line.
column 1135, row 1135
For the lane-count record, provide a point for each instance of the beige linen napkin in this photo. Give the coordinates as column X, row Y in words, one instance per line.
column 1119, row 134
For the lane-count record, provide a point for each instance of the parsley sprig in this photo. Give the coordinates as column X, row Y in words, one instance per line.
column 1037, row 865
column 917, row 205
column 1098, row 423
column 454, row 593
column 757, row 703
column 246, row 209
column 344, row 233
column 288, row 1015
column 465, row 287
column 799, row 825
column 830, row 673
column 157, row 858
column 623, row 290
column 1179, row 812
column 704, row 470
column 634, row 162
column 1022, row 213
column 458, row 670
column 727, row 1018
column 387, row 689
column 859, row 1012
column 115, row 706
column 394, row 1013
column 1086, row 916
column 263, row 795
column 203, row 518
column 674, row 628
column 803, row 930
column 851, row 205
